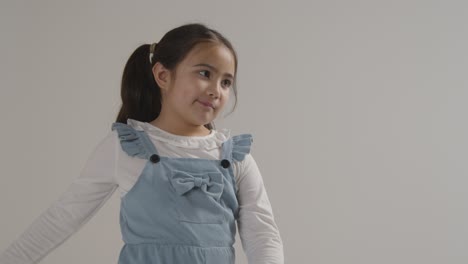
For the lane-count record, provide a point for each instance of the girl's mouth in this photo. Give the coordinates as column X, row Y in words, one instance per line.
column 207, row 104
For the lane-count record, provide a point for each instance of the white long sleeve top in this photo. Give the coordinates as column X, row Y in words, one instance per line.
column 109, row 168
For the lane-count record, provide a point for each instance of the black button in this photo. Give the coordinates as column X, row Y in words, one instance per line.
column 154, row 158
column 225, row 163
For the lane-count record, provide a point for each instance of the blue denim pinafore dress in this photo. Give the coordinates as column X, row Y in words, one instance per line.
column 180, row 210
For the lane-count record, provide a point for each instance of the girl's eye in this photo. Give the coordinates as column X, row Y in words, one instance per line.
column 228, row 83
column 206, row 72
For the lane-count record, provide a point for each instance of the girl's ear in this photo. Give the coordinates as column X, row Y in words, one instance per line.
column 161, row 75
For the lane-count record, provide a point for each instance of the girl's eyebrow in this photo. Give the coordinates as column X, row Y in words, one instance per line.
column 213, row 68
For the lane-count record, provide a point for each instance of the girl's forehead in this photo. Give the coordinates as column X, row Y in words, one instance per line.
column 216, row 55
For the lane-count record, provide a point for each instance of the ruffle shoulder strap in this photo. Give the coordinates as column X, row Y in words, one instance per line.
column 131, row 140
column 241, row 146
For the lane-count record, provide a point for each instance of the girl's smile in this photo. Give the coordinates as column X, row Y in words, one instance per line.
column 206, row 104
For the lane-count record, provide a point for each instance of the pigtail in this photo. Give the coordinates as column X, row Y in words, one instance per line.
column 141, row 95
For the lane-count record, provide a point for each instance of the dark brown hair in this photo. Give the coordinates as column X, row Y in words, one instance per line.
column 141, row 95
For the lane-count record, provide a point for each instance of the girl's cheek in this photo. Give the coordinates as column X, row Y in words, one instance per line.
column 198, row 80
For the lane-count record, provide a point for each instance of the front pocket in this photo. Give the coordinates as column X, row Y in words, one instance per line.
column 198, row 196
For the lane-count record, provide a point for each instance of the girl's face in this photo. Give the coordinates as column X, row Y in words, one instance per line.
column 201, row 87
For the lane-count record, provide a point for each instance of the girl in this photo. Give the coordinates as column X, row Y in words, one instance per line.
column 183, row 184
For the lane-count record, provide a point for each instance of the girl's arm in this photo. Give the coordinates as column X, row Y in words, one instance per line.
column 73, row 208
column 258, row 231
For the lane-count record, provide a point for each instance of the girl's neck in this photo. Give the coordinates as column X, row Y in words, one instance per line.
column 180, row 130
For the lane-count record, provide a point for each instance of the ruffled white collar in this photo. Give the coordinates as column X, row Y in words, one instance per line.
column 214, row 140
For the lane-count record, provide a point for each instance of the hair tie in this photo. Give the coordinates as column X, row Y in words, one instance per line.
column 152, row 52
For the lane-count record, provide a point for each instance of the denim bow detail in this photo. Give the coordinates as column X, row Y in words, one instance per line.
column 210, row 183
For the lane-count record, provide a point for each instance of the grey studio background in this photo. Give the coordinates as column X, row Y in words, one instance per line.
column 358, row 111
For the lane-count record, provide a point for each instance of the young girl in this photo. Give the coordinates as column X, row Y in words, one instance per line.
column 182, row 183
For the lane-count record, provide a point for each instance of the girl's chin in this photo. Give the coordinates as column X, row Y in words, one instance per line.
column 205, row 118
column 202, row 121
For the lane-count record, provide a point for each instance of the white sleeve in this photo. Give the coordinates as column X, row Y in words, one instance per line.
column 258, row 231
column 84, row 197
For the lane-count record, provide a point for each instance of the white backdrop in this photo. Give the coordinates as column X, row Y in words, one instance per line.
column 357, row 110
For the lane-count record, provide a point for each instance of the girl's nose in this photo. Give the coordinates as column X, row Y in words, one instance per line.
column 214, row 90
